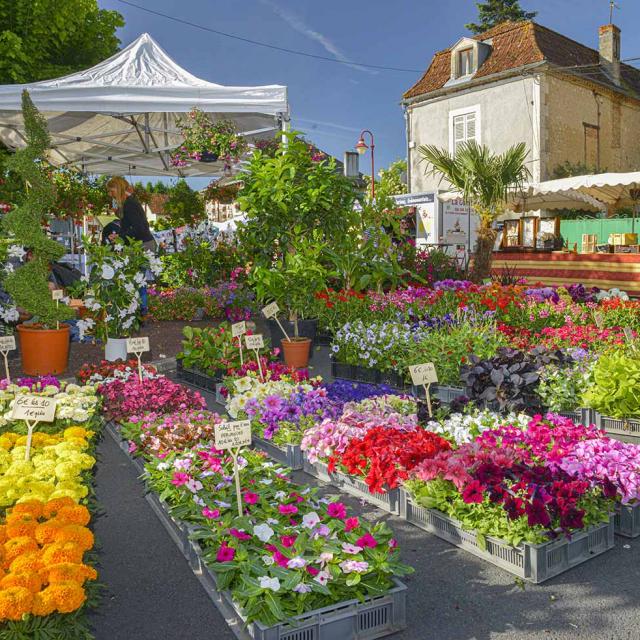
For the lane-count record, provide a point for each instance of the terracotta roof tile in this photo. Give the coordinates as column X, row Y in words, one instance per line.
column 517, row 44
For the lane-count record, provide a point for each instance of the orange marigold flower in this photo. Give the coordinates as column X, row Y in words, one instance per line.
column 46, row 532
column 20, row 524
column 52, row 507
column 68, row 596
column 3, row 534
column 75, row 533
column 15, row 547
column 34, row 507
column 15, row 602
column 27, row 579
column 43, row 604
column 76, row 514
column 69, row 572
column 30, row 561
column 62, row 552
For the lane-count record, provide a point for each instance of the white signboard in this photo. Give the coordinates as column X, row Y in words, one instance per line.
column 271, row 310
column 238, row 329
column 422, row 374
column 137, row 345
column 7, row 343
column 233, row 435
column 254, row 342
column 34, row 408
column 57, row 294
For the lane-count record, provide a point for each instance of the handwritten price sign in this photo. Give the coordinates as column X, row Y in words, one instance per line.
column 7, row 343
column 233, row 435
column 271, row 310
column 57, row 294
column 34, row 409
column 137, row 345
column 422, row 374
column 254, row 342
column 238, row 329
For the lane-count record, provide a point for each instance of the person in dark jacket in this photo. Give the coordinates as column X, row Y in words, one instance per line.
column 133, row 222
column 111, row 231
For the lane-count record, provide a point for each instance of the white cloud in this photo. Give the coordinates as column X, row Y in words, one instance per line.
column 297, row 23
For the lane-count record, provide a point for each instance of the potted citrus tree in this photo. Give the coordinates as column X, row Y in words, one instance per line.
column 292, row 283
column 44, row 344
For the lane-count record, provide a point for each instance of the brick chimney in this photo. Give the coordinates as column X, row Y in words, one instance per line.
column 609, row 47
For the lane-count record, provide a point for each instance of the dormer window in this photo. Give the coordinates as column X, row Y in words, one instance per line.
column 465, row 62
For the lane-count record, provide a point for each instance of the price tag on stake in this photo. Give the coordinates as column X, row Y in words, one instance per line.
column 423, row 373
column 57, row 294
column 254, row 342
column 232, row 436
column 238, row 329
column 39, row 408
column 33, row 409
column 7, row 343
column 271, row 310
column 138, row 346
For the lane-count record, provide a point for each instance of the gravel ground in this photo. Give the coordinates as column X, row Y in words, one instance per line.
column 452, row 595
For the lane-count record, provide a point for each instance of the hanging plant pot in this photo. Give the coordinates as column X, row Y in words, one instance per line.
column 208, row 156
column 296, row 352
column 44, row 351
column 115, row 349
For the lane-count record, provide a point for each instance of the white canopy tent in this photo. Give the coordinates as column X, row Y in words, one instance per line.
column 119, row 117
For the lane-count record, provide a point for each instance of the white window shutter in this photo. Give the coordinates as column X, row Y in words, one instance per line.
column 458, row 131
column 471, row 127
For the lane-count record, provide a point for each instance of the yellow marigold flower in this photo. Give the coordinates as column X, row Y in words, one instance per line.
column 5, row 443
column 62, row 552
column 75, row 432
column 52, row 507
column 76, row 514
column 45, row 533
column 15, row 547
column 32, row 507
column 68, row 596
column 80, row 443
column 75, row 533
column 30, row 561
column 44, row 470
column 15, row 602
column 21, row 468
column 43, row 604
column 12, row 436
column 69, row 572
column 68, row 470
column 27, row 579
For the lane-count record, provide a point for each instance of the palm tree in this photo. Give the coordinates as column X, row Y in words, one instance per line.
column 485, row 181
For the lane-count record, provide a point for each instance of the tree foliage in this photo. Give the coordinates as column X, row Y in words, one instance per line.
column 485, row 181
column 493, row 12
column 42, row 39
column 184, row 205
column 28, row 285
column 390, row 181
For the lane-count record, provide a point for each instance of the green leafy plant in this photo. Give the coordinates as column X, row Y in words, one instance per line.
column 615, row 391
column 293, row 281
column 28, row 285
column 210, row 349
column 184, row 206
column 290, row 195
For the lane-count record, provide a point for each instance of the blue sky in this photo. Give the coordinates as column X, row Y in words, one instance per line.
column 330, row 102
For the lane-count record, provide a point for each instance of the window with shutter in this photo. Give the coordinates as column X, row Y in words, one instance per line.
column 463, row 129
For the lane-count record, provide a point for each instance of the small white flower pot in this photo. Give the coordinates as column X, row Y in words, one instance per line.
column 115, row 349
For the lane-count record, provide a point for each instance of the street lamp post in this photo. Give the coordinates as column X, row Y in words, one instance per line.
column 361, row 148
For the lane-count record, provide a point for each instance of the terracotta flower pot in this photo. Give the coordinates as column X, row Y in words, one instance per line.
column 44, row 351
column 296, row 352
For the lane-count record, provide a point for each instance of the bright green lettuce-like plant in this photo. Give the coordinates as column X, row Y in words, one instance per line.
column 28, row 284
column 616, row 388
column 561, row 388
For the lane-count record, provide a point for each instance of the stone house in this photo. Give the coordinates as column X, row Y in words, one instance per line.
column 518, row 82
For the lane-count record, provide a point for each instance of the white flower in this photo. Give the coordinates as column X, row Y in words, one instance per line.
column 296, row 563
column 323, row 577
column 268, row 560
column 301, row 587
column 310, row 520
column 9, row 268
column 107, row 272
column 325, row 557
column 269, row 583
column 194, row 485
column 16, row 251
column 263, row 532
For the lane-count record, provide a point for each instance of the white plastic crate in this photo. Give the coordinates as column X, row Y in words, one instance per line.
column 289, row 455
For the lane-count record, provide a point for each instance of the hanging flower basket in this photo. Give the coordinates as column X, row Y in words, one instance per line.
column 208, row 141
